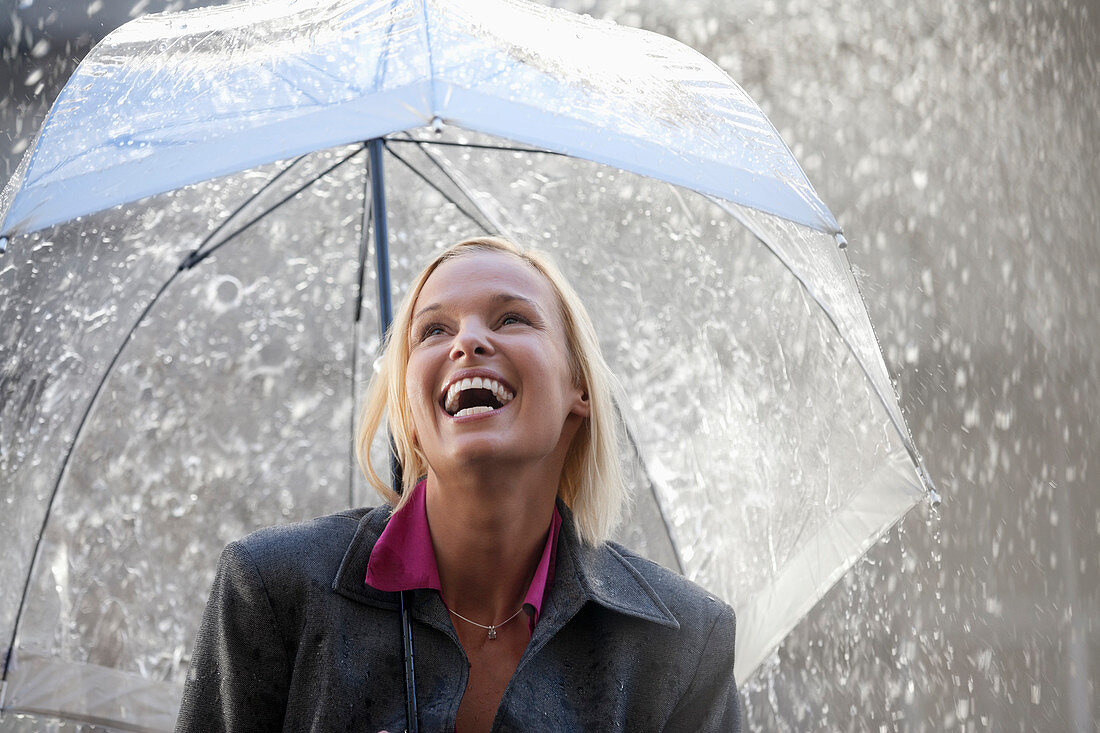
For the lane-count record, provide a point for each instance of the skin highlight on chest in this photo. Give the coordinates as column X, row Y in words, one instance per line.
column 492, row 664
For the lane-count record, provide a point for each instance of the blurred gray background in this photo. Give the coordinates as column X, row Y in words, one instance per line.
column 959, row 146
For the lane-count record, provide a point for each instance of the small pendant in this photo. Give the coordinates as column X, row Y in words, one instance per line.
column 492, row 632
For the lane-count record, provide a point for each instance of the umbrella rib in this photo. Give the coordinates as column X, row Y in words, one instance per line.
column 439, row 190
column 465, row 192
column 364, row 246
column 198, row 256
column 384, row 57
column 247, row 202
column 475, row 146
column 652, row 487
column 65, row 465
column 902, row 429
column 435, row 106
column 367, row 217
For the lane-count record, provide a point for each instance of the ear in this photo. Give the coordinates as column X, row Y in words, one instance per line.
column 581, row 405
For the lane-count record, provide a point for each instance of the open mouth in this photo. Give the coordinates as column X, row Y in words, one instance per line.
column 475, row 395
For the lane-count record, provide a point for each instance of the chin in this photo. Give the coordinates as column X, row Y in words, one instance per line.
column 475, row 452
column 482, row 453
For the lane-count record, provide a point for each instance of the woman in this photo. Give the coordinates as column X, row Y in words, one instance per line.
column 499, row 406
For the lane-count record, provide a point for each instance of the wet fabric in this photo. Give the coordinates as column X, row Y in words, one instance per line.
column 624, row 644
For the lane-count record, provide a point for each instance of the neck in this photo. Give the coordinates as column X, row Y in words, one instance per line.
column 488, row 532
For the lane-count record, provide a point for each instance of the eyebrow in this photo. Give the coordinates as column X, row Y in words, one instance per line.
column 497, row 299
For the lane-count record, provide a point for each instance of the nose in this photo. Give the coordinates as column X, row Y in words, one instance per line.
column 472, row 339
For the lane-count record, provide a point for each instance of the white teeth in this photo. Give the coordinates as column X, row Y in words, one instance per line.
column 473, row 410
column 450, row 403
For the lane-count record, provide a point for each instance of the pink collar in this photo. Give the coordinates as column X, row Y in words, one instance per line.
column 403, row 557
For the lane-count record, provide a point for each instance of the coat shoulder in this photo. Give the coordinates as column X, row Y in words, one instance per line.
column 697, row 657
column 312, row 533
column 691, row 604
column 313, row 548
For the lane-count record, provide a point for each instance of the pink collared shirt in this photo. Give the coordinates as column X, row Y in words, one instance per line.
column 403, row 557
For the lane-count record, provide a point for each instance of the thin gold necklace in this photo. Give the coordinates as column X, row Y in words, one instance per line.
column 491, row 628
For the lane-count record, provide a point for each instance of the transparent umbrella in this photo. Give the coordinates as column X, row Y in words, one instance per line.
column 201, row 250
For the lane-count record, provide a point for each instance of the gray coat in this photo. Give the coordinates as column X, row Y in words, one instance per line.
column 293, row 639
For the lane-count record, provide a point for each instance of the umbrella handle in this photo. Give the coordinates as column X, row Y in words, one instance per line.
column 411, row 725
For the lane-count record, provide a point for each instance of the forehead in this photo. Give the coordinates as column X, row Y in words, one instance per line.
column 485, row 275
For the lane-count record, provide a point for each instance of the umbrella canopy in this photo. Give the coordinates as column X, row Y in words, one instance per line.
column 765, row 442
column 167, row 101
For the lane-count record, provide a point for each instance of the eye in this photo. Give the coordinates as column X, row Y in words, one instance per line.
column 510, row 318
column 432, row 329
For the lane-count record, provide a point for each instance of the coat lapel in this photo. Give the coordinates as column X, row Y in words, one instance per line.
column 599, row 575
column 582, row 574
column 350, row 578
column 350, row 582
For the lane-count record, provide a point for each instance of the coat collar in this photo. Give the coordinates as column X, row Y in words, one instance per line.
column 597, row 574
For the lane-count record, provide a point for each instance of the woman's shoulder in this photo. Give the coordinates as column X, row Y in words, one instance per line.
column 697, row 657
column 690, row 603
column 320, row 529
column 311, row 548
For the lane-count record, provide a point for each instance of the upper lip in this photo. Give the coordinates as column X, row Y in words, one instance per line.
column 470, row 374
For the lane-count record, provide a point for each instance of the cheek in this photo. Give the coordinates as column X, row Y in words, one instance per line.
column 415, row 397
column 415, row 378
column 565, row 369
column 418, row 401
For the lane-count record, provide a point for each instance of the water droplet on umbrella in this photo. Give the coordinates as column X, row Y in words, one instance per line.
column 228, row 290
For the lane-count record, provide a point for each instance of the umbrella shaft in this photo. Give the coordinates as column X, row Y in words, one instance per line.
column 381, row 235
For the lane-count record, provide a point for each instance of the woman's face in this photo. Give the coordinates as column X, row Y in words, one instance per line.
column 488, row 377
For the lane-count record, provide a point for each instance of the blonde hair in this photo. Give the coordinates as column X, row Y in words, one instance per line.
column 591, row 482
